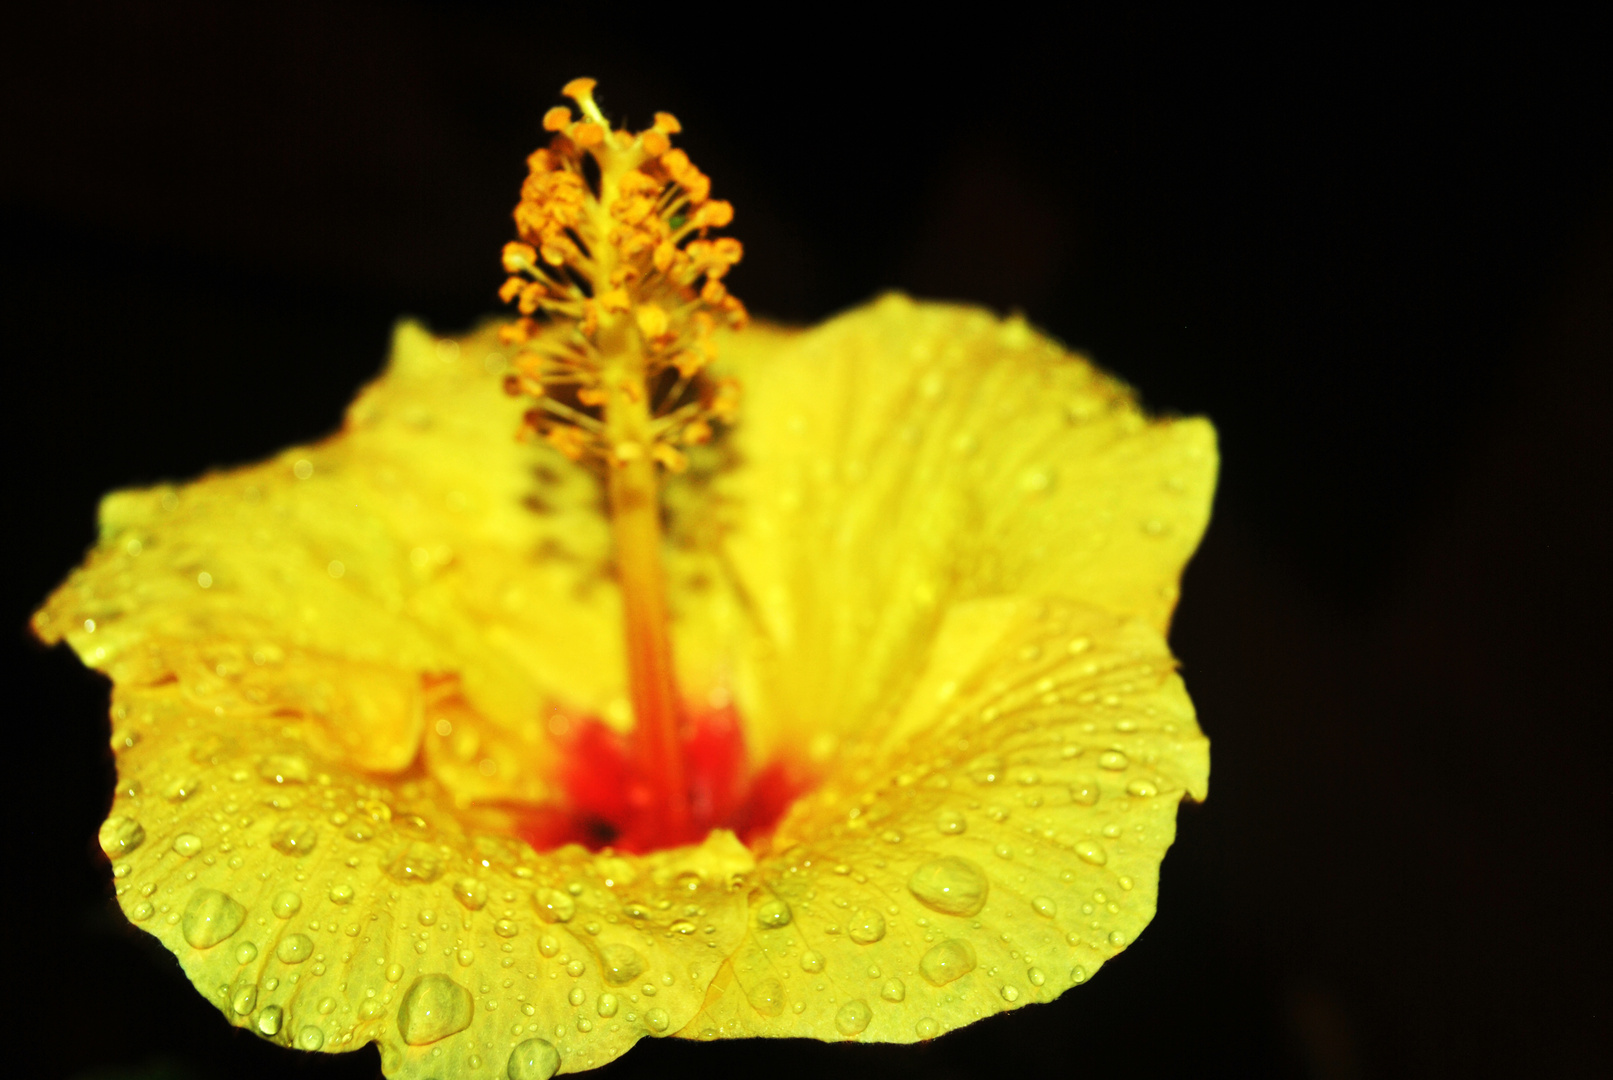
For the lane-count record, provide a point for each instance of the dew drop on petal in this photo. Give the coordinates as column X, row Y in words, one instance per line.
column 657, row 1019
column 1091, row 851
column 187, row 844
column 893, row 990
column 950, row 822
column 554, row 906
column 534, row 1059
column 269, row 1020
column 622, row 964
column 1084, row 792
column 853, row 1017
column 286, row 905
column 1035, row 976
column 294, row 948
column 311, row 1037
column 951, row 959
column 471, row 893
column 244, row 1000
column 767, row 997
column 1010, row 993
column 210, row 917
column 1045, row 906
column 812, row 961
column 866, row 927
column 951, row 885
column 926, row 1028
column 577, row 995
column 1113, row 760
column 1141, row 789
column 772, row 914
column 608, row 1005
column 1078, row 975
column 434, row 1007
column 120, row 835
column 246, row 952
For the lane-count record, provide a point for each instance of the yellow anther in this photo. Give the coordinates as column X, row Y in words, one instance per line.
column 519, row 257
column 667, row 124
column 588, row 134
column 652, row 321
column 578, row 89
column 557, row 118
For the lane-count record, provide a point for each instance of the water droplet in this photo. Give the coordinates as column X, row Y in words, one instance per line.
column 246, row 952
column 434, row 1007
column 284, row 769
column 950, row 822
column 294, row 948
column 1091, row 851
column 286, row 905
column 893, row 990
column 1113, row 760
column 548, row 945
column 506, row 928
column 1010, row 993
column 210, row 917
column 187, row 844
column 952, row 886
column 767, row 997
column 534, row 1059
column 471, row 893
column 812, row 961
column 181, row 789
column 1084, row 792
column 1079, row 645
column 683, row 926
column 575, row 969
column 341, row 894
column 622, row 964
column 417, row 862
column 657, row 1019
column 608, row 1005
column 554, row 906
column 120, row 835
column 853, row 1017
column 577, row 995
column 1078, row 975
column 245, row 1000
column 311, row 1037
column 427, row 917
column 951, row 959
column 1141, row 789
column 294, row 837
column 926, row 1028
column 394, row 972
column 1116, row 938
column 269, row 1021
column 772, row 914
column 142, row 911
column 866, row 927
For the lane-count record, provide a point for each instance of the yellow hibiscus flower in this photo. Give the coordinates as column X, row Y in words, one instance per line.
column 895, row 741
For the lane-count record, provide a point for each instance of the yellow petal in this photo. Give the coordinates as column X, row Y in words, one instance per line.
column 995, row 853
column 323, row 909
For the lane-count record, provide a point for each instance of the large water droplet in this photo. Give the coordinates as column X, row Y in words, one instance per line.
column 246, row 952
column 893, row 990
column 1045, row 906
column 657, row 1019
column 950, row 822
column 554, row 906
column 866, row 927
column 772, row 914
column 311, row 1037
column 812, row 961
column 187, row 844
column 577, row 995
column 294, row 948
column 1035, row 976
column 434, row 1007
column 535, row 1059
column 608, row 1005
column 621, row 963
column 471, row 892
column 1141, row 789
column 269, row 1021
column 120, row 835
column 245, row 999
column 418, row 862
column 286, row 905
column 926, row 1028
column 853, row 1017
column 294, row 837
column 284, row 769
column 951, row 959
column 210, row 917
column 1010, row 993
column 1078, row 975
column 952, row 886
column 1091, row 851
column 767, row 997
column 1113, row 760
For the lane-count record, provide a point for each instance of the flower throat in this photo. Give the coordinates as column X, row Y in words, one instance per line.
column 619, row 289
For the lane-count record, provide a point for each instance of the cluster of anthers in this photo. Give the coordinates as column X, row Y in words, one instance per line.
column 619, row 290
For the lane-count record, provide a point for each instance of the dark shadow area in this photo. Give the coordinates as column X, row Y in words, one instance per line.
column 1380, row 257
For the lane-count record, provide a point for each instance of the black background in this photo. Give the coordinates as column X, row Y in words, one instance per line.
column 1378, row 254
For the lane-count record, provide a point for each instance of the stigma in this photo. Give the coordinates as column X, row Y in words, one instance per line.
column 619, row 286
